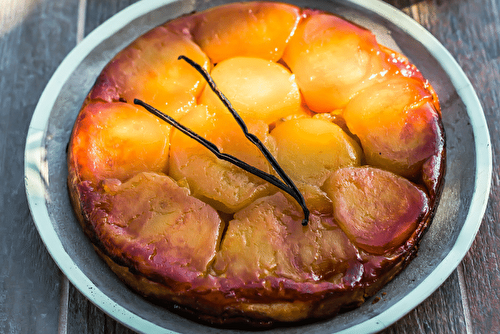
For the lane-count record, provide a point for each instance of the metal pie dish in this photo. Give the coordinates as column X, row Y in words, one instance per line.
column 457, row 220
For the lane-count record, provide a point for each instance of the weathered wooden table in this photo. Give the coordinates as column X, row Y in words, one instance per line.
column 35, row 36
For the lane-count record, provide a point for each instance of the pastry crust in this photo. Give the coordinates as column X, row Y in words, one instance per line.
column 252, row 262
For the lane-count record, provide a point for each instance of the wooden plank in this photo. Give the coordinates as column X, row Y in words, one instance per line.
column 84, row 317
column 34, row 38
column 99, row 11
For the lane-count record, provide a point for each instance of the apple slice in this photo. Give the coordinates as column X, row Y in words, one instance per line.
column 332, row 60
column 252, row 29
column 220, row 183
column 149, row 70
column 267, row 239
column 309, row 149
column 378, row 210
column 117, row 140
column 317, row 201
column 153, row 225
column 397, row 125
column 256, row 88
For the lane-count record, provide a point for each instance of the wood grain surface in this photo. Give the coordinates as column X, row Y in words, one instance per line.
column 35, row 35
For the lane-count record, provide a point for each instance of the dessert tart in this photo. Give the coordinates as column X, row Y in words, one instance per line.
column 257, row 163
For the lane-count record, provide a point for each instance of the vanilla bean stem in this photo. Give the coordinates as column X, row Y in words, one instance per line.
column 285, row 184
column 213, row 148
column 250, row 136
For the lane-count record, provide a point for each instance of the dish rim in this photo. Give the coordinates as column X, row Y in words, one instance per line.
column 36, row 172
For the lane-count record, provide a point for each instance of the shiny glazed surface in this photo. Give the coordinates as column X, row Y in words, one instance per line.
column 261, row 265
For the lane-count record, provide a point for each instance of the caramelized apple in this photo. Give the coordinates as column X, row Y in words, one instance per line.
column 149, row 70
column 332, row 60
column 252, row 29
column 117, row 140
column 354, row 125
column 266, row 239
column 397, row 125
column 150, row 220
column 256, row 88
column 317, row 201
column 225, row 186
column 377, row 209
column 310, row 148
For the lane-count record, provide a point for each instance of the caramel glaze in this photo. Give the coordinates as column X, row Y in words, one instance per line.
column 196, row 281
column 261, row 303
column 232, row 302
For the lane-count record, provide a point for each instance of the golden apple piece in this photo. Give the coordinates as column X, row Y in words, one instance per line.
column 253, row 29
column 225, row 186
column 378, row 210
column 309, row 149
column 322, row 251
column 117, row 140
column 397, row 125
column 316, row 200
column 332, row 60
column 153, row 225
column 149, row 70
column 256, row 88
column 267, row 239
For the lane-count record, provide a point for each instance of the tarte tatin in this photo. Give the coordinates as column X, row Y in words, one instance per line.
column 353, row 124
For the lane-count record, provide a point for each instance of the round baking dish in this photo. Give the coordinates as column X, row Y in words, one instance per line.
column 457, row 220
